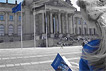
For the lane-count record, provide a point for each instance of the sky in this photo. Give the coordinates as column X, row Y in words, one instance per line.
column 75, row 5
column 11, row 1
column 72, row 1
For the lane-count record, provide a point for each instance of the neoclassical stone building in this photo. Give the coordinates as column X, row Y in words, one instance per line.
column 52, row 19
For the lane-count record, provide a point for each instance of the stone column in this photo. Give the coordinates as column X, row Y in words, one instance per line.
column 53, row 25
column 82, row 26
column 78, row 23
column 6, row 26
column 56, row 23
column 63, row 24
column 35, row 37
column 87, row 30
column 43, row 23
column 67, row 25
column 76, row 28
column 59, row 19
column 51, row 22
column 73, row 24
column 93, row 31
column 70, row 25
column 16, row 24
column 48, row 24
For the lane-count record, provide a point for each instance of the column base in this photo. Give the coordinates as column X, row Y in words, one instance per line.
column 37, row 37
column 60, row 35
column 68, row 35
column 43, row 36
column 52, row 35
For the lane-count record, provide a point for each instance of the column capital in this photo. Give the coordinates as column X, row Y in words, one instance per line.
column 62, row 11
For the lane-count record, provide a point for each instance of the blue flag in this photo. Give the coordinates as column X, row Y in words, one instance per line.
column 17, row 8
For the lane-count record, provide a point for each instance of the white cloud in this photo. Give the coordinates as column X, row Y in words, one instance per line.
column 75, row 5
column 19, row 1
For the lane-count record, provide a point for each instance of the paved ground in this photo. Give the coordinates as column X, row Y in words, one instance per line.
column 37, row 59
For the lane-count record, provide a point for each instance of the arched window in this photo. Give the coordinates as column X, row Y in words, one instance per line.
column 10, row 30
column 1, row 30
column 19, row 30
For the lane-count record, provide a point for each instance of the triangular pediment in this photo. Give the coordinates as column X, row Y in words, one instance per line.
column 59, row 3
column 56, row 3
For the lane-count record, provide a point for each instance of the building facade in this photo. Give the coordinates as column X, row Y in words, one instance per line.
column 52, row 20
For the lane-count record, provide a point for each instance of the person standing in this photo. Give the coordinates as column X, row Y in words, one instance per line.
column 94, row 52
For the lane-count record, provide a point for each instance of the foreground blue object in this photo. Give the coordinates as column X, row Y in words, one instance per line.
column 89, row 47
column 59, row 64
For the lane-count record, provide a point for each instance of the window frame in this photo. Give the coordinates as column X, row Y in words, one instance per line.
column 1, row 17
column 19, row 18
column 11, row 17
column 2, row 28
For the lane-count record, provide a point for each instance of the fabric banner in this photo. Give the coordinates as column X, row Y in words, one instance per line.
column 60, row 64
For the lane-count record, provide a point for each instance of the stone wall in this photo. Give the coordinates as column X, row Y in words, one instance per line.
column 17, row 44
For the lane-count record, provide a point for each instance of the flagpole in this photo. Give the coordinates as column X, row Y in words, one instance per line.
column 46, row 27
column 21, row 28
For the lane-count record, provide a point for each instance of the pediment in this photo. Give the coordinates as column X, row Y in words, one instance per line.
column 56, row 3
column 59, row 3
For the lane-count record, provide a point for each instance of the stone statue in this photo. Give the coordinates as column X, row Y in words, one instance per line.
column 94, row 52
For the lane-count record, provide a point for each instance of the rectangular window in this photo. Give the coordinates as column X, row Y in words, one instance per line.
column 11, row 18
column 79, row 21
column 1, row 17
column 19, row 18
column 1, row 30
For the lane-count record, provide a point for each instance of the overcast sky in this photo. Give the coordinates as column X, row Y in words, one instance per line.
column 74, row 4
column 13, row 1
